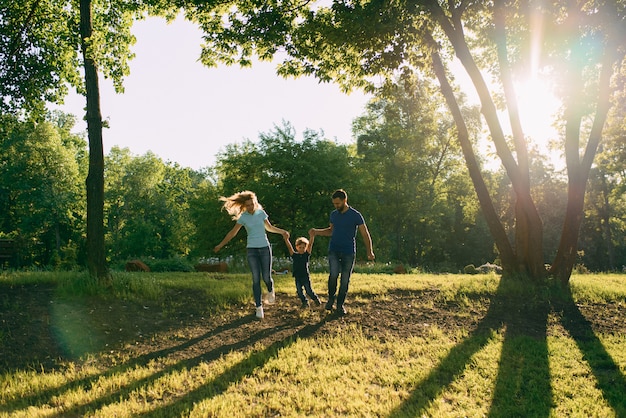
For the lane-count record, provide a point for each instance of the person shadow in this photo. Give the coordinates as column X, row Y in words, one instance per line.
column 523, row 382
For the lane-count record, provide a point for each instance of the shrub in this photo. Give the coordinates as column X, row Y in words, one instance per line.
column 179, row 264
column 470, row 269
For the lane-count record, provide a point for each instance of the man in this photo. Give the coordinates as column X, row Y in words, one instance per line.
column 344, row 222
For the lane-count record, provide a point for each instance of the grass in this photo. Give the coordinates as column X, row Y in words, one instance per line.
column 546, row 360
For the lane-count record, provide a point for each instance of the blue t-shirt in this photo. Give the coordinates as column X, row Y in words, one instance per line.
column 255, row 227
column 343, row 239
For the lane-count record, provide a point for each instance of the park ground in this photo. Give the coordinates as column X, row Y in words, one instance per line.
column 41, row 332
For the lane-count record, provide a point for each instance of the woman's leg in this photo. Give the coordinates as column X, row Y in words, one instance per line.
column 266, row 267
column 254, row 261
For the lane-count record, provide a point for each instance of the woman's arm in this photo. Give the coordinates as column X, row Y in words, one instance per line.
column 231, row 234
column 271, row 228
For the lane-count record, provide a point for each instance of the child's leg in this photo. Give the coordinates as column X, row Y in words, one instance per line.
column 309, row 290
column 300, row 291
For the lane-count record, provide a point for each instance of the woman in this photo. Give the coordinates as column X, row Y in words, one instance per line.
column 246, row 210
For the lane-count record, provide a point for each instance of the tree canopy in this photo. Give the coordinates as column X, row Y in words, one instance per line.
column 580, row 45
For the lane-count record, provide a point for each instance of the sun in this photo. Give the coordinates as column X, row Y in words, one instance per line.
column 538, row 108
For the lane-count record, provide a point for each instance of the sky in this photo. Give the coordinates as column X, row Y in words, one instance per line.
column 186, row 113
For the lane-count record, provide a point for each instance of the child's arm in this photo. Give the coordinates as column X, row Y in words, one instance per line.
column 310, row 246
column 288, row 244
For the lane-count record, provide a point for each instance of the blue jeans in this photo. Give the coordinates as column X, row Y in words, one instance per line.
column 339, row 263
column 260, row 262
column 303, row 284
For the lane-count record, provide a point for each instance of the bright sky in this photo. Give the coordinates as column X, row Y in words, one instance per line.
column 186, row 113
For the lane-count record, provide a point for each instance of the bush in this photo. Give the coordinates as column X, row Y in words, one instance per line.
column 175, row 264
column 470, row 269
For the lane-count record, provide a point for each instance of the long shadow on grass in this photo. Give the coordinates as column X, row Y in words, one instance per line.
column 609, row 378
column 233, row 374
column 24, row 327
column 523, row 384
column 47, row 396
column 185, row 364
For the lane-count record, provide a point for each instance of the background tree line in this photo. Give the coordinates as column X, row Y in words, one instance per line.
column 404, row 173
column 46, row 46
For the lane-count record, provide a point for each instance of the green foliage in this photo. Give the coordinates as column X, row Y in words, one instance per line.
column 353, row 43
column 413, row 180
column 147, row 206
column 41, row 198
column 470, row 269
column 292, row 179
column 40, row 47
column 174, row 264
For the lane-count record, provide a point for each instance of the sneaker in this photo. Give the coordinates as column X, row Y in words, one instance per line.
column 318, row 302
column 305, row 304
column 271, row 297
column 329, row 305
column 341, row 310
column 259, row 312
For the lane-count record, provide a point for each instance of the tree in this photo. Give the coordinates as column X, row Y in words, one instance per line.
column 603, row 244
column 292, row 179
column 147, row 206
column 352, row 41
column 40, row 197
column 40, row 45
column 413, row 169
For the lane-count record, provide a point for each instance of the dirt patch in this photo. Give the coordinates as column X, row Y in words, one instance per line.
column 40, row 331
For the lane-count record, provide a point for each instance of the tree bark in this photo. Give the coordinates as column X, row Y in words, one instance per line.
column 578, row 168
column 96, row 258
column 507, row 255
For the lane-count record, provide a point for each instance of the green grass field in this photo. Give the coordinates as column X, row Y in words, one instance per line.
column 411, row 345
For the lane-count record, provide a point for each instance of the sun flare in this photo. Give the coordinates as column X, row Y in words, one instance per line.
column 538, row 108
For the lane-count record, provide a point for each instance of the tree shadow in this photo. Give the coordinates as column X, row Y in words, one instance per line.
column 523, row 385
column 609, row 378
column 24, row 327
column 521, row 318
column 216, row 386
column 46, row 396
column 234, row 374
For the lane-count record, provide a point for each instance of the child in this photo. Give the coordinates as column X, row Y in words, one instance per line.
column 301, row 273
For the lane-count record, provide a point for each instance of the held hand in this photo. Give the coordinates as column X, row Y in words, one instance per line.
column 370, row 256
column 312, row 232
column 217, row 248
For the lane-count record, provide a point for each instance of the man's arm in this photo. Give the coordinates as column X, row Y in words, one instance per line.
column 309, row 247
column 323, row 232
column 367, row 238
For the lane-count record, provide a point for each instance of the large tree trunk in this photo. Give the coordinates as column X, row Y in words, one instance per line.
column 578, row 168
column 568, row 246
column 507, row 255
column 96, row 260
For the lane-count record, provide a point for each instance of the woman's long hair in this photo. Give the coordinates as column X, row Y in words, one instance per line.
column 235, row 205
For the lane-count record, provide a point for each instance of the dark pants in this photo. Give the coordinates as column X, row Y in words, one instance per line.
column 339, row 263
column 303, row 284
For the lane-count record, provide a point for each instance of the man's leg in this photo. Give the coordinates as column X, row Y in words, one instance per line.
column 334, row 267
column 347, row 265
